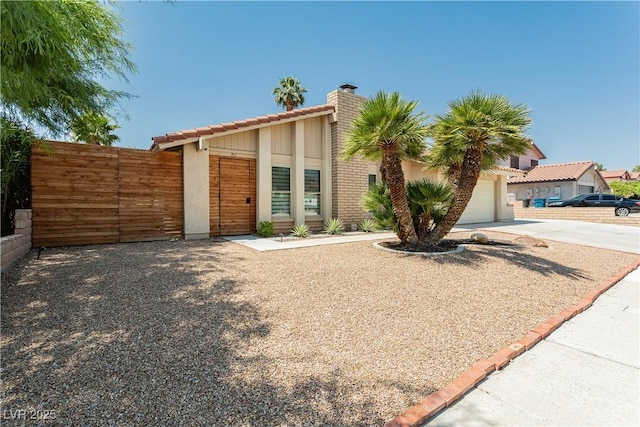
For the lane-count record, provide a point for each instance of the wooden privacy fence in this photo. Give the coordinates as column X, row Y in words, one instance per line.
column 87, row 194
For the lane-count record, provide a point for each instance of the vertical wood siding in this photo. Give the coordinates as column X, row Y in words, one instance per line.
column 313, row 138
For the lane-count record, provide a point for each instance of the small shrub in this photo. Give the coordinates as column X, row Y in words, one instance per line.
column 265, row 228
column 367, row 225
column 334, row 226
column 301, row 230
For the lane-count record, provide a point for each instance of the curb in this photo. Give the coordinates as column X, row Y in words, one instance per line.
column 379, row 245
column 449, row 394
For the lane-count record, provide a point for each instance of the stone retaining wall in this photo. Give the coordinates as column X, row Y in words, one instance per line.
column 600, row 215
column 18, row 244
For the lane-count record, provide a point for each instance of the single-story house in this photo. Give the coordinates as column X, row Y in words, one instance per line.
column 285, row 168
column 563, row 180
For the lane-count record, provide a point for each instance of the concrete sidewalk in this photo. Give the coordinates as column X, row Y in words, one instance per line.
column 266, row 244
column 586, row 373
column 607, row 236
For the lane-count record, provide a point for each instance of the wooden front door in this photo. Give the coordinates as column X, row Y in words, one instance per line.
column 233, row 196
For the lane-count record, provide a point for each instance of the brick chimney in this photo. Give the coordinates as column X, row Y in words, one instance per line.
column 349, row 179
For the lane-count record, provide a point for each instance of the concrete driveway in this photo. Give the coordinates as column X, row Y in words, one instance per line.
column 607, row 236
column 587, row 372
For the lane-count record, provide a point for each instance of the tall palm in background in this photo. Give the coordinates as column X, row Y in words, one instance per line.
column 95, row 129
column 289, row 94
column 388, row 130
column 478, row 131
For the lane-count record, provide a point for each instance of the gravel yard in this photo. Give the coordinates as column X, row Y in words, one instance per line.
column 213, row 333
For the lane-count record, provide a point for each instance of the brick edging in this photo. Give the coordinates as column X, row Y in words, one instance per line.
column 449, row 394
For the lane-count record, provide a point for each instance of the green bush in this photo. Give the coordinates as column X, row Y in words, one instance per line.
column 367, row 225
column 16, row 142
column 265, row 229
column 333, row 226
column 629, row 189
column 301, row 230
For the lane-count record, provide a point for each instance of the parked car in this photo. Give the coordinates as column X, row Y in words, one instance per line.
column 622, row 205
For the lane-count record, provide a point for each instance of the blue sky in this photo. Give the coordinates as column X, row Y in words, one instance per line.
column 575, row 64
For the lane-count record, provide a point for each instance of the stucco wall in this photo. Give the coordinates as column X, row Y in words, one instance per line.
column 539, row 190
column 196, row 192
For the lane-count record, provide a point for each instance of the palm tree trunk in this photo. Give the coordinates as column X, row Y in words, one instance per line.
column 470, row 172
column 395, row 182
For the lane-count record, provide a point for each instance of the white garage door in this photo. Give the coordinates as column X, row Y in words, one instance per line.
column 481, row 206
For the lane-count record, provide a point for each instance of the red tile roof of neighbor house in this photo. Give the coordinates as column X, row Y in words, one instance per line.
column 635, row 175
column 238, row 124
column 557, row 172
column 619, row 173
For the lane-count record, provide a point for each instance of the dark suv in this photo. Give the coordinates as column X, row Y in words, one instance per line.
column 622, row 206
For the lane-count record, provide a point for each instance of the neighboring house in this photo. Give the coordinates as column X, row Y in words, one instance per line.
column 616, row 175
column 635, row 176
column 527, row 161
column 564, row 180
column 286, row 168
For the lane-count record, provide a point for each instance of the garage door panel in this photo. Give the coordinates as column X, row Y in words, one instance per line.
column 481, row 207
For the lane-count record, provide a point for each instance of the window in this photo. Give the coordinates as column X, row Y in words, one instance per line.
column 372, row 179
column 585, row 189
column 311, row 192
column 534, row 163
column 515, row 162
column 280, row 191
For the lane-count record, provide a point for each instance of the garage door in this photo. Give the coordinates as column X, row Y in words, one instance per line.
column 481, row 206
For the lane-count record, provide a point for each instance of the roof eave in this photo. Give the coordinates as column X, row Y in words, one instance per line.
column 164, row 142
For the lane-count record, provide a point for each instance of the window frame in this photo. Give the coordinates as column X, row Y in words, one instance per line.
column 317, row 194
column 279, row 192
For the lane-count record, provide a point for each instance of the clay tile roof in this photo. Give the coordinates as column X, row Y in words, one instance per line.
column 619, row 173
column 635, row 175
column 557, row 172
column 508, row 169
column 224, row 127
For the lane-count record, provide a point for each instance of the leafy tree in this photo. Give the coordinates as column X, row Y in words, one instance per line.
column 289, row 94
column 599, row 166
column 94, row 129
column 16, row 141
column 387, row 129
column 636, row 168
column 476, row 132
column 629, row 189
column 53, row 54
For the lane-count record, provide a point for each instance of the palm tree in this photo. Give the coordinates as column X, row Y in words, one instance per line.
column 428, row 202
column 289, row 94
column 476, row 132
column 94, row 129
column 388, row 130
